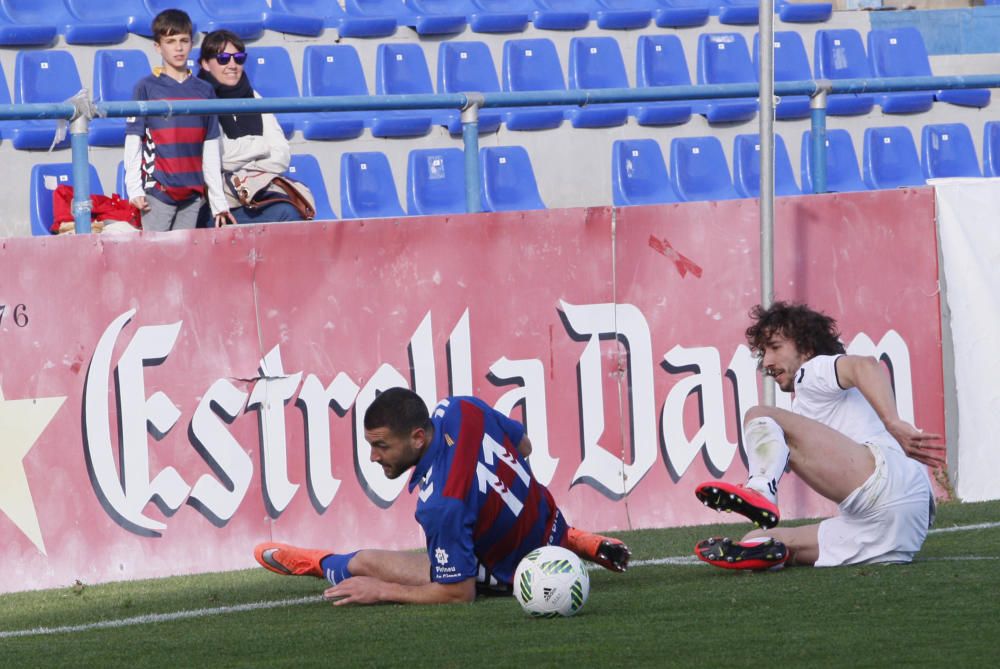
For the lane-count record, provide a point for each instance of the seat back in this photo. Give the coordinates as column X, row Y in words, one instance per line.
column 305, row 168
column 116, row 72
column 45, row 76
column 947, row 151
column 270, row 70
column 698, row 169
column 639, row 173
column 746, row 167
column 332, row 69
column 791, row 63
column 890, row 158
column 991, row 149
column 840, row 54
column 36, row 12
column 531, row 65
column 660, row 61
column 367, row 188
column 898, row 52
column 842, row 172
column 435, row 182
column 723, row 58
column 596, row 62
column 508, row 180
column 466, row 66
column 45, row 179
column 401, row 69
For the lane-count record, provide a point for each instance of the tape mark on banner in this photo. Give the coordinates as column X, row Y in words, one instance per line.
column 682, row 263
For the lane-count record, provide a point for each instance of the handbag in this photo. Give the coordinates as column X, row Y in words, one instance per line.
column 256, row 190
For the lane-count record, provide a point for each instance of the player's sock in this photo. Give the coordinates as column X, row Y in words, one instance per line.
column 767, row 455
column 335, row 567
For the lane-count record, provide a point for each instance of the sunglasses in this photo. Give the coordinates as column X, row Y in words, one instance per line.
column 222, row 58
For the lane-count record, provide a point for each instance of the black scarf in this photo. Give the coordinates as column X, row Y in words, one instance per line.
column 235, row 125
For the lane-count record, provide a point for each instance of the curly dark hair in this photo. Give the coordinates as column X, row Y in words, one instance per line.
column 813, row 333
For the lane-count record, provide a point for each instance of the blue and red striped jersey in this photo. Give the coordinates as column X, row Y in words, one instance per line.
column 172, row 145
column 479, row 505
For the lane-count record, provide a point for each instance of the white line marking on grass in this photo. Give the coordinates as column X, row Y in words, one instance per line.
column 255, row 606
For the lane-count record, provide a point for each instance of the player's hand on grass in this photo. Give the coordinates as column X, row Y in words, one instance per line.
column 925, row 447
column 354, row 590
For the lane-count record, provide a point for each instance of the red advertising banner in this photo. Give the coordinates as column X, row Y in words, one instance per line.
column 169, row 400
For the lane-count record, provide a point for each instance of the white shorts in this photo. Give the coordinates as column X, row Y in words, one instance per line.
column 884, row 520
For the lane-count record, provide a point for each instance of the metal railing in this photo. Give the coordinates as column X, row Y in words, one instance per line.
column 79, row 112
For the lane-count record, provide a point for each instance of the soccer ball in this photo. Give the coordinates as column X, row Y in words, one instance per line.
column 550, row 581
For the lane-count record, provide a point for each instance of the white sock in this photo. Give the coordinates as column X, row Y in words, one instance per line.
column 767, row 455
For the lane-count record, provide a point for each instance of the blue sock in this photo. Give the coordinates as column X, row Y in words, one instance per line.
column 335, row 567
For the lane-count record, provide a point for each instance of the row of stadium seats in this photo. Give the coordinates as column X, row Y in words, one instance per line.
column 699, row 171
column 39, row 22
column 528, row 65
column 435, row 181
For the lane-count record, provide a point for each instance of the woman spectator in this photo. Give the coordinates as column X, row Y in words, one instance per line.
column 254, row 148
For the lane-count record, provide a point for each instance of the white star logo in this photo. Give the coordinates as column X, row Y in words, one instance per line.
column 441, row 555
column 21, row 423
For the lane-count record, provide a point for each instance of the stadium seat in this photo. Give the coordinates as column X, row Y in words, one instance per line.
column 736, row 12
column 681, row 13
column 331, row 70
column 45, row 179
column 991, row 149
column 500, row 16
column 468, row 66
column 508, row 181
column 698, row 169
column 139, row 19
column 15, row 32
column 900, row 52
column 305, row 168
column 890, row 158
column 42, row 76
column 401, row 69
column 532, row 65
column 435, row 182
column 245, row 18
column 621, row 14
column 790, row 64
column 427, row 17
column 116, row 72
column 332, row 15
column 639, row 174
column 367, row 189
column 947, row 151
column 559, row 15
column 803, row 12
column 660, row 61
column 269, row 69
column 277, row 18
column 842, row 173
column 120, row 180
column 840, row 54
column 746, row 167
column 89, row 26
column 723, row 59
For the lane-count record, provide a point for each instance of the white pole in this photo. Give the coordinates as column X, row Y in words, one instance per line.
column 766, row 77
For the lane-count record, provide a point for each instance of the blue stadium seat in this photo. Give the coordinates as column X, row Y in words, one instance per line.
column 803, row 12
column 736, row 12
column 367, row 189
column 991, row 149
column 245, row 18
column 842, row 173
column 746, row 167
column 16, row 32
column 331, row 70
column 427, row 17
column 660, row 61
column 89, row 26
column 332, row 15
column 468, row 66
column 621, row 14
column 698, row 169
column 435, row 182
column 900, row 52
column 947, row 151
column 890, row 158
column 723, row 59
column 269, row 69
column 305, row 168
column 139, row 19
column 42, row 76
column 840, row 54
column 559, row 15
column 508, row 181
column 120, row 180
column 532, row 65
column 790, row 64
column 401, row 69
column 681, row 13
column 596, row 62
column 44, row 180
column 639, row 174
column 116, row 72
column 500, row 16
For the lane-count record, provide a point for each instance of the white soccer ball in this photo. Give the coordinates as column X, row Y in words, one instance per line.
column 550, row 581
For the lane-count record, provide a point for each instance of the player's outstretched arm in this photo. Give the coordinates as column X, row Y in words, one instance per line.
column 868, row 376
column 368, row 590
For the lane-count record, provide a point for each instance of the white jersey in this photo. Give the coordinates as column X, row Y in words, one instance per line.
column 819, row 395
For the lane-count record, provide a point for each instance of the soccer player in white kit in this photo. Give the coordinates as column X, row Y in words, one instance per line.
column 843, row 437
